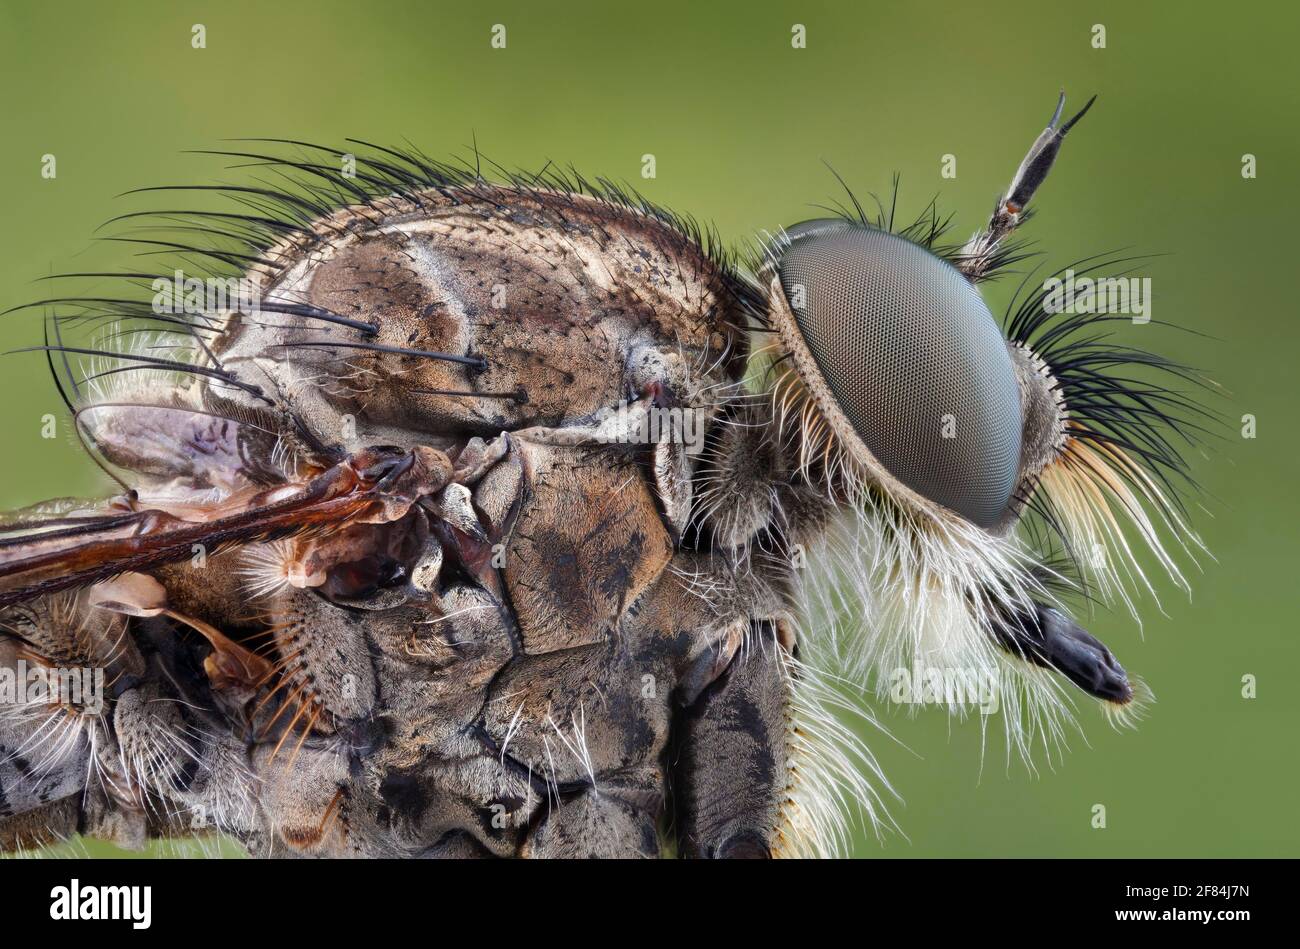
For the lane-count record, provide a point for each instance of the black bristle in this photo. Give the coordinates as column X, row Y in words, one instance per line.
column 475, row 361
column 284, row 211
column 1114, row 394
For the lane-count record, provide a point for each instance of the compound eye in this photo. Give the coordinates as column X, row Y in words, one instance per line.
column 913, row 358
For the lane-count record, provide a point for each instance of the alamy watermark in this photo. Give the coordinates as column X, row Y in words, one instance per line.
column 636, row 425
column 198, row 296
column 26, row 684
column 923, row 684
column 77, row 902
column 1085, row 295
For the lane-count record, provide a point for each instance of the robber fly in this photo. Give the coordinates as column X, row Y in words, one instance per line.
column 400, row 567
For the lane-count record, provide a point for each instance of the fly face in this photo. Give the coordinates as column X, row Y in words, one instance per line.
column 975, row 455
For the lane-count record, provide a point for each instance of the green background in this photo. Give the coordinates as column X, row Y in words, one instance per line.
column 740, row 123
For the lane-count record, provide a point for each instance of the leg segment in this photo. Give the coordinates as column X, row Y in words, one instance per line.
column 730, row 772
column 609, row 823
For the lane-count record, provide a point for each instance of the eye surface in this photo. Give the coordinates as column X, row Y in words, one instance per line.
column 913, row 357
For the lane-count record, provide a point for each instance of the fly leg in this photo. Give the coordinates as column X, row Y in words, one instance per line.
column 617, row 820
column 62, row 666
column 981, row 251
column 39, row 827
column 730, row 772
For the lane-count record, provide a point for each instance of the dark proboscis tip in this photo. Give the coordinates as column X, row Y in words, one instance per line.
column 1048, row 638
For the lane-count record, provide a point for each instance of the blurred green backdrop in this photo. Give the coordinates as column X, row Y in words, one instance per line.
column 740, row 122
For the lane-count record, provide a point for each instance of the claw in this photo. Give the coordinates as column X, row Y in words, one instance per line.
column 386, row 470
